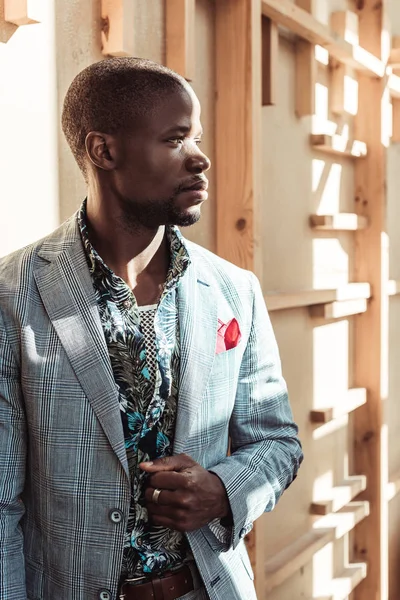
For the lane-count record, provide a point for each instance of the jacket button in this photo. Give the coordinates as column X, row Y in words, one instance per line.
column 104, row 595
column 116, row 515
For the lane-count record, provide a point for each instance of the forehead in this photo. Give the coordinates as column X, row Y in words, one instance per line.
column 180, row 108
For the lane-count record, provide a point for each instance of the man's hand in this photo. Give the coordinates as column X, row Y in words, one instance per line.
column 190, row 496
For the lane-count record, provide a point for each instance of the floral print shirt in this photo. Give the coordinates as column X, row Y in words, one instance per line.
column 148, row 403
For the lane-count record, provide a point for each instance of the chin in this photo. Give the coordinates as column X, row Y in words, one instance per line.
column 187, row 218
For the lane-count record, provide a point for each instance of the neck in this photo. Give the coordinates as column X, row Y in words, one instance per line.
column 128, row 250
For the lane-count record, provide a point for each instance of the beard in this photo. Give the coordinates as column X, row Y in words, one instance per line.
column 152, row 214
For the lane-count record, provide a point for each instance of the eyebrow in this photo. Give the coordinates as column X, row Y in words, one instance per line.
column 181, row 129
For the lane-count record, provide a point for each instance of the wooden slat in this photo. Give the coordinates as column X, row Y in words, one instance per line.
column 22, row 12
column 342, row 586
column 393, row 486
column 270, row 61
column 117, row 27
column 393, row 84
column 306, row 26
column 393, row 287
column 340, row 495
column 338, row 222
column 370, row 365
column 291, row 559
column 306, row 70
column 395, row 101
column 301, row 298
column 336, row 145
column 238, row 147
column 394, row 58
column 354, row 398
column 338, row 310
column 180, row 38
column 238, row 115
column 345, row 25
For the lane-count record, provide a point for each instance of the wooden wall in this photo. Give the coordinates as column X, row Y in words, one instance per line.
column 331, row 290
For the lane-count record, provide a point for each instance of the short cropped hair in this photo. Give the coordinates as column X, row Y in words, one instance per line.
column 108, row 95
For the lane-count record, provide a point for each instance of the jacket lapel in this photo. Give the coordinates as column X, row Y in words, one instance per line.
column 66, row 289
column 197, row 308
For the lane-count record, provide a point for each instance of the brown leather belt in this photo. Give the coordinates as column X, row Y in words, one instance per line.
column 167, row 586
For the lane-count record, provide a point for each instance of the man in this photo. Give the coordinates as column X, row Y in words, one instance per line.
column 129, row 360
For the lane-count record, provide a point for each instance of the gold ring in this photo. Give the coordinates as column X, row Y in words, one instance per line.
column 156, row 495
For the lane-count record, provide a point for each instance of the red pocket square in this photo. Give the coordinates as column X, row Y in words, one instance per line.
column 228, row 335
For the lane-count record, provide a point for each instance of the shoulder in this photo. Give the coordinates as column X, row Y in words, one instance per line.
column 16, row 269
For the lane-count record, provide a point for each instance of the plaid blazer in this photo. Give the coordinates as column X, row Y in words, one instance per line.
column 63, row 467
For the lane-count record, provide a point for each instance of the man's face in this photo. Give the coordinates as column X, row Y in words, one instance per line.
column 160, row 178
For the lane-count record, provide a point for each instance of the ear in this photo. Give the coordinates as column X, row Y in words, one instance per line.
column 101, row 150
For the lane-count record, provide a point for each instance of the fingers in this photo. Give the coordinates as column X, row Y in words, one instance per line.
column 168, row 463
column 169, row 480
column 165, row 498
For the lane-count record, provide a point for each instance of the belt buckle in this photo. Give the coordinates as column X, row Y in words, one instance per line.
column 130, row 580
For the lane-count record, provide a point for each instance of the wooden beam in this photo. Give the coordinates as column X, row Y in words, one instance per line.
column 302, row 298
column 238, row 118
column 238, row 147
column 370, row 364
column 292, row 558
column 270, row 61
column 300, row 22
column 395, row 101
column 306, row 70
column 338, row 310
column 354, row 398
column 393, row 287
column 180, row 37
column 338, row 222
column 117, row 35
column 344, row 584
column 340, row 495
column 345, row 25
column 22, row 12
column 337, row 145
column 393, row 486
column 394, row 58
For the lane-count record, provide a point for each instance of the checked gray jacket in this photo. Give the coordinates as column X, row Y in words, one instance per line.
column 63, row 468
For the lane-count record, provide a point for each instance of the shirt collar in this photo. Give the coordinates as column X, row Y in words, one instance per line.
column 180, row 259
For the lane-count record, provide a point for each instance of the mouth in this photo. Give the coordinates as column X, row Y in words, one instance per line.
column 198, row 186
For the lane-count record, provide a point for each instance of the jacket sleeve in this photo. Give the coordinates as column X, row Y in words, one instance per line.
column 12, row 474
column 265, row 450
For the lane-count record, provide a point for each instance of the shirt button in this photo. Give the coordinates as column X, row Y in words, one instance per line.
column 116, row 516
column 104, row 595
column 127, row 304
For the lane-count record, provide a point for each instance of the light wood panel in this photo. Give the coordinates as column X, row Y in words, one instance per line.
column 342, row 586
column 22, row 12
column 306, row 26
column 338, row 222
column 295, row 556
column 117, row 35
column 338, row 310
column 301, row 298
column 354, row 398
column 371, row 328
column 180, row 37
column 337, row 145
column 340, row 495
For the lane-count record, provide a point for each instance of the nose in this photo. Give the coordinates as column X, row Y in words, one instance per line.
column 198, row 162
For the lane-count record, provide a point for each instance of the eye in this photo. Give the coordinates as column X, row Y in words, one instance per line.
column 198, row 141
column 176, row 140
